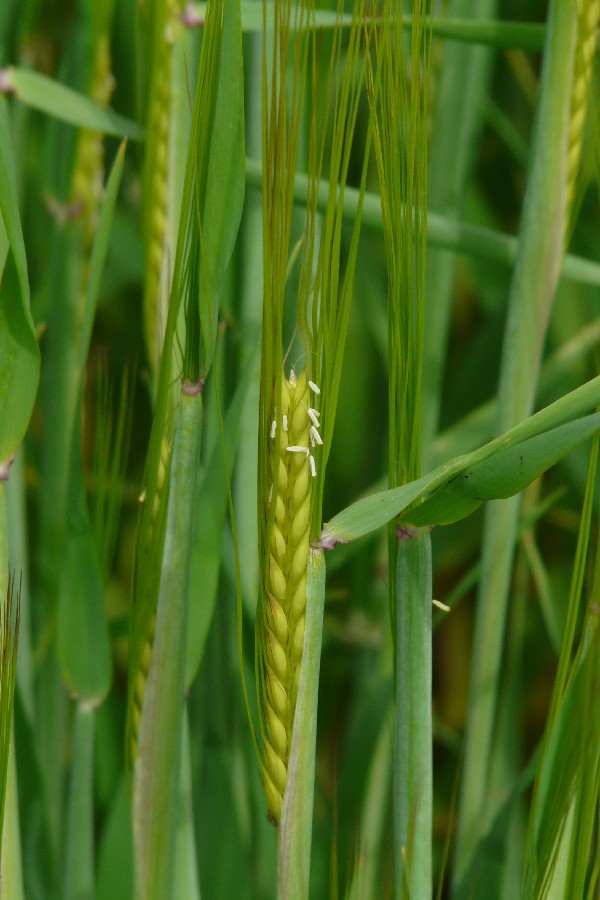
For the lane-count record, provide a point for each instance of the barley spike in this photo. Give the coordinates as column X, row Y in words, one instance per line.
column 284, row 606
column 588, row 15
column 142, row 669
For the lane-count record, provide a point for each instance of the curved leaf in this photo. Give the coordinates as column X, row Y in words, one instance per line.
column 373, row 512
column 61, row 102
column 503, row 474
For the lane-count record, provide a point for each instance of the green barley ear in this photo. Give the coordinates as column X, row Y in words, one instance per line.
column 207, row 233
column 161, row 33
column 297, row 411
column 88, row 171
column 282, row 624
column 588, row 16
column 284, row 505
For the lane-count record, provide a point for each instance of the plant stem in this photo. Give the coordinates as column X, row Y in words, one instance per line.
column 413, row 775
column 79, row 865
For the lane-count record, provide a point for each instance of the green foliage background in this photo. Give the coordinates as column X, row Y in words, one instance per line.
column 72, row 517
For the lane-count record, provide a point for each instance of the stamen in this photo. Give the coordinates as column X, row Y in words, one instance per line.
column 314, row 387
column 298, row 450
column 313, row 468
column 273, row 428
column 285, row 423
column 315, row 436
column 313, row 415
column 441, row 605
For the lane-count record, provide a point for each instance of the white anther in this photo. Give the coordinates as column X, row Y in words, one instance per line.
column 142, row 496
column 441, row 605
column 270, row 494
column 298, row 450
column 313, row 468
column 315, row 436
column 313, row 415
column 285, row 423
column 314, row 387
column 292, row 379
column 273, row 428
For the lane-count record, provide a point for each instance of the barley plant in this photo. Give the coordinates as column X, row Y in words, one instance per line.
column 299, row 434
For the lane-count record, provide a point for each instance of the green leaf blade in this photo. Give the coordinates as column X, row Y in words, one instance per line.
column 373, row 512
column 19, row 351
column 61, row 102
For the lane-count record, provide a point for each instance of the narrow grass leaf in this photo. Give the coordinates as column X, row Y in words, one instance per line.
column 115, row 852
column 502, row 474
column 156, row 774
column 82, row 626
column 36, row 828
column 373, row 816
column 295, row 832
column 560, row 767
column 83, row 643
column 208, row 531
column 112, row 436
column 67, row 105
column 372, row 512
column 484, row 878
column 19, row 352
column 560, row 820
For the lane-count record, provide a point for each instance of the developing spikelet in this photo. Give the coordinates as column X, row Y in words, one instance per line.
column 285, row 604
column 136, row 698
column 588, row 15
column 88, row 172
column 156, row 181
